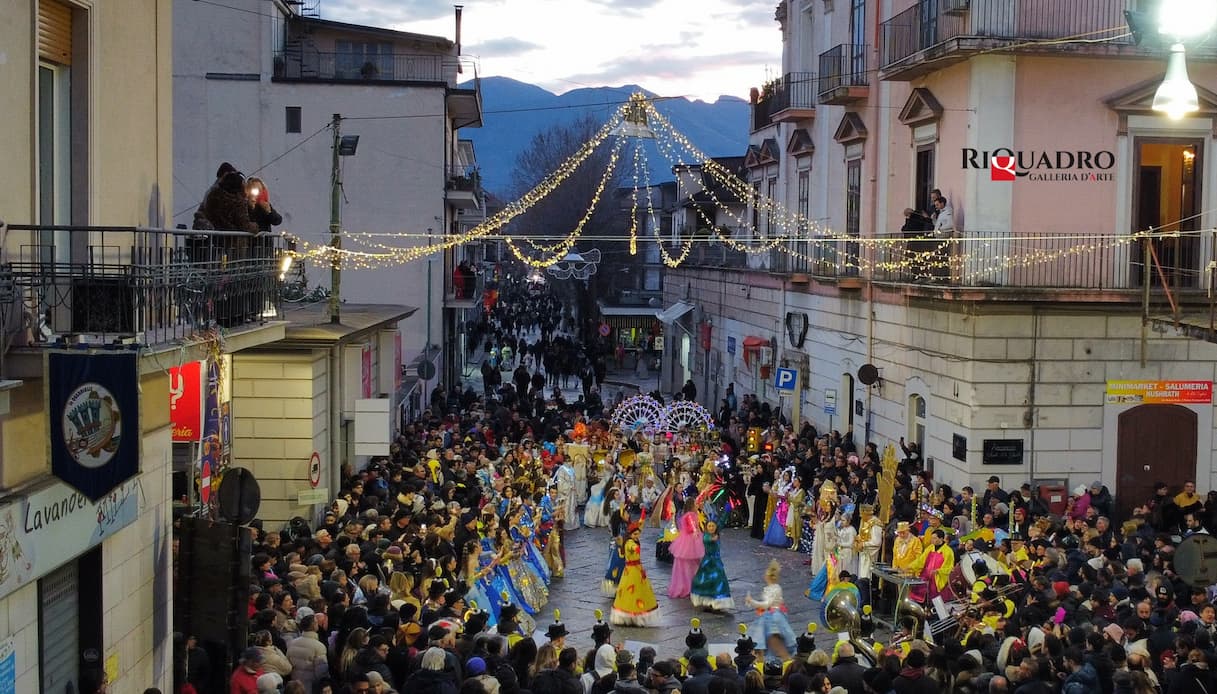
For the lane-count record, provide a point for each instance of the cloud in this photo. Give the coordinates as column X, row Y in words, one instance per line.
column 375, row 13
column 500, row 48
column 632, row 7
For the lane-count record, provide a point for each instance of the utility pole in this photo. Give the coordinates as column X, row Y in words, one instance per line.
column 335, row 223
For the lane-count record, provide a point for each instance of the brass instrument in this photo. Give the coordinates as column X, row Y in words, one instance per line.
column 841, row 613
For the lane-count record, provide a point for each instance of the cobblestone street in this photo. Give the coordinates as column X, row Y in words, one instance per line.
column 578, row 594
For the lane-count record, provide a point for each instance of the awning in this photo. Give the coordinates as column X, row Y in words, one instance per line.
column 754, row 342
column 629, row 311
column 674, row 312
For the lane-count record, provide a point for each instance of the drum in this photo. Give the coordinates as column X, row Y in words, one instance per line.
column 961, row 579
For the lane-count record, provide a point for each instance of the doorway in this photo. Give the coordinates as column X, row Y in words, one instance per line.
column 1147, row 434
column 1166, row 197
column 847, row 398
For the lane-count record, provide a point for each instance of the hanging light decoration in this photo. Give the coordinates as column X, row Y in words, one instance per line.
column 1176, row 96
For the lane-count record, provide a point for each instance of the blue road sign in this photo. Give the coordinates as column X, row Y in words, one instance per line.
column 785, row 379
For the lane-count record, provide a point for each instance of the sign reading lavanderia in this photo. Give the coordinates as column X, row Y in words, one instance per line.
column 94, row 427
column 44, row 529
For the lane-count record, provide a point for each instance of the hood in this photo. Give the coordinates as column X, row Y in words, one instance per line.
column 1086, row 676
column 606, row 660
column 912, row 673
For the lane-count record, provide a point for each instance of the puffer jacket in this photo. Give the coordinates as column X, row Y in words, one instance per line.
column 308, row 658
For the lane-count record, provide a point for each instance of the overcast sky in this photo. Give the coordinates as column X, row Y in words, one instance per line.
column 694, row 48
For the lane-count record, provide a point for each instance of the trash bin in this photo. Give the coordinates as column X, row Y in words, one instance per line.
column 1055, row 495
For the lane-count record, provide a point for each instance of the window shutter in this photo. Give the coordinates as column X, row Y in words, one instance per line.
column 55, row 32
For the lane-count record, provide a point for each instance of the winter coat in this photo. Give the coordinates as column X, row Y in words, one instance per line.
column 1084, row 681
column 273, row 660
column 227, row 206
column 630, row 686
column 913, row 681
column 556, row 681
column 848, row 673
column 368, row 660
column 308, row 658
column 429, row 682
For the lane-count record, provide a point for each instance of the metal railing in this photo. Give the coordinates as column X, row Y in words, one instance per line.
column 716, row 255
column 306, row 64
column 762, row 113
column 795, row 90
column 1038, row 261
column 843, row 66
column 155, row 286
column 930, row 23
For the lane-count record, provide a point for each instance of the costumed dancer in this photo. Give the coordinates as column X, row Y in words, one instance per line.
column 775, row 533
column 687, row 551
column 476, row 577
column 635, row 604
column 846, row 535
column 771, row 623
column 710, row 587
column 568, row 495
column 594, row 515
column 825, row 514
column 616, row 560
column 796, row 502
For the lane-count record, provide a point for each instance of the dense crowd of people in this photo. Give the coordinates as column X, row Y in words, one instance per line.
column 430, row 571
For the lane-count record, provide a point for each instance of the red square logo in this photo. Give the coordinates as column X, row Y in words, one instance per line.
column 1001, row 168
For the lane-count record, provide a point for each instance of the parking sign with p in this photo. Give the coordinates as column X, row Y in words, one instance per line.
column 785, row 379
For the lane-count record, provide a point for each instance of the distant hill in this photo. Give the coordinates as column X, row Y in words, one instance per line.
column 515, row 111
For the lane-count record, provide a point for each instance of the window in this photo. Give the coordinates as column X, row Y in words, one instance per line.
column 857, row 37
column 291, row 117
column 853, row 212
column 803, row 245
column 771, row 191
column 363, row 60
column 916, row 421
column 652, row 280
column 923, row 177
column 57, row 121
column 756, row 209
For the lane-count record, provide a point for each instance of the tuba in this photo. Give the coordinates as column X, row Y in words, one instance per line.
column 841, row 613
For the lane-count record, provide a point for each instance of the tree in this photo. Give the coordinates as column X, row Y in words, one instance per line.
column 559, row 213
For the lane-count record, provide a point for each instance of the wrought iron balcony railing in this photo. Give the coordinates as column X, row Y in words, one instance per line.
column 843, row 66
column 795, row 90
column 301, row 63
column 151, row 286
column 932, row 23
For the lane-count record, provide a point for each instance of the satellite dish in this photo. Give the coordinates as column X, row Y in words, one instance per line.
column 240, row 496
column 1196, row 560
column 868, row 374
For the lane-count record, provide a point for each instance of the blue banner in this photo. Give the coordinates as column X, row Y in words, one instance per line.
column 94, row 427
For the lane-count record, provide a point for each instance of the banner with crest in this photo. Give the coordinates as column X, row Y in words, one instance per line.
column 94, row 419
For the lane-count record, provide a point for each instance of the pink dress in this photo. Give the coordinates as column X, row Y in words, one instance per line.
column 687, row 550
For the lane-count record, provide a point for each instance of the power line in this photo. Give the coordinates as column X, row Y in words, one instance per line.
column 528, row 109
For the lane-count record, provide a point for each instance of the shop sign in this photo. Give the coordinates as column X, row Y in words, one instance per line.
column 186, row 401
column 1159, row 392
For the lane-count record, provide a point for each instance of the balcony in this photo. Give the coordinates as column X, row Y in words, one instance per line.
column 794, row 98
column 302, row 64
column 463, row 190
column 1020, row 266
column 716, row 255
column 934, row 34
column 102, row 285
column 463, row 286
column 844, row 78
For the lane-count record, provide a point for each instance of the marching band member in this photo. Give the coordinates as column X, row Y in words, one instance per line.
column 934, row 565
column 906, row 549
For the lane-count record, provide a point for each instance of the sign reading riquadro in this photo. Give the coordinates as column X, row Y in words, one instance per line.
column 94, row 427
column 1159, row 392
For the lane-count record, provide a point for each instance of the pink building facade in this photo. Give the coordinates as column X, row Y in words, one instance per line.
column 1039, row 308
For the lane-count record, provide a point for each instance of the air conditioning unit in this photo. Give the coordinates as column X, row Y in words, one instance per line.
column 955, row 6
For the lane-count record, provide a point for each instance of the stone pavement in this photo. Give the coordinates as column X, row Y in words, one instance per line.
column 578, row 594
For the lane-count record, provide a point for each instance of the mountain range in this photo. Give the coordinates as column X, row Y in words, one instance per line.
column 515, row 111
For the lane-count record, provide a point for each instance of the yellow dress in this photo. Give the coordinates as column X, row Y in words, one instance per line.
column 635, row 603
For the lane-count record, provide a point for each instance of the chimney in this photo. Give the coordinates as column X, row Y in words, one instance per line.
column 459, row 8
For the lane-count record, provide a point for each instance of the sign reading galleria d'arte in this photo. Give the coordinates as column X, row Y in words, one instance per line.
column 46, row 529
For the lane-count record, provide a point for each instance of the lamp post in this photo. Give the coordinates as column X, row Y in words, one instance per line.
column 344, row 146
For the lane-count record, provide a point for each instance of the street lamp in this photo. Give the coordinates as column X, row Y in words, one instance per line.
column 1181, row 20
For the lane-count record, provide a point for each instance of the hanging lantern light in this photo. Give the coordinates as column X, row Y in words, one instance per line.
column 634, row 121
column 1176, row 96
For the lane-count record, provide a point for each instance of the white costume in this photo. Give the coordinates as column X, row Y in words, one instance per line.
column 568, row 497
column 594, row 515
column 872, row 542
column 846, row 561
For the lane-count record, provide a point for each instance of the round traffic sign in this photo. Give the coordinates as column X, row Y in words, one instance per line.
column 205, row 483
column 426, row 370
column 314, row 470
column 605, row 330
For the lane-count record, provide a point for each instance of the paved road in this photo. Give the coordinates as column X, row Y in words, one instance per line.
column 578, row 594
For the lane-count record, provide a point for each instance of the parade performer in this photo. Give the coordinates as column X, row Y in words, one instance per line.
column 867, row 545
column 594, row 515
column 687, row 551
column 635, row 603
column 771, row 622
column 825, row 513
column 568, row 496
column 934, row 566
column 796, row 502
column 847, row 559
column 775, row 533
column 710, row 587
column 905, row 550
column 475, row 575
column 616, row 561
